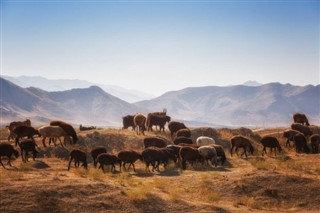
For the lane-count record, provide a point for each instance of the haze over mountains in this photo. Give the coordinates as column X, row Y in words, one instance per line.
column 256, row 106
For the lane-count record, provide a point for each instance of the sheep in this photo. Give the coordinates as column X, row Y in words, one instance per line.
column 189, row 145
column 301, row 143
column 26, row 146
column 155, row 156
column 174, row 126
column 85, row 128
column 154, row 141
column 67, row 128
column 183, row 133
column 174, row 149
column 15, row 124
column 315, row 142
column 300, row 118
column 157, row 120
column 180, row 140
column 78, row 156
column 139, row 123
column 6, row 149
column 23, row 131
column 208, row 153
column 129, row 157
column 272, row 142
column 302, row 128
column 220, row 153
column 239, row 141
column 127, row 121
column 108, row 159
column 52, row 132
column 289, row 134
column 204, row 140
column 95, row 152
column 189, row 154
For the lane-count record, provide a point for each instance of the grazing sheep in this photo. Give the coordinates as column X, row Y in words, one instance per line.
column 220, row 153
column 239, row 141
column 156, row 119
column 300, row 118
column 15, row 124
column 174, row 149
column 315, row 142
column 174, row 126
column 139, row 123
column 24, row 131
column 289, row 134
column 302, row 128
column 6, row 149
column 272, row 143
column 26, row 146
column 180, row 140
column 127, row 121
column 154, row 141
column 108, row 159
column 301, row 143
column 188, row 154
column 95, row 152
column 208, row 153
column 155, row 156
column 183, row 133
column 129, row 157
column 204, row 140
column 67, row 128
column 78, row 156
column 52, row 132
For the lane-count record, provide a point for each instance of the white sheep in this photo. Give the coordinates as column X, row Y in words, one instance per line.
column 208, row 153
column 204, row 140
column 52, row 132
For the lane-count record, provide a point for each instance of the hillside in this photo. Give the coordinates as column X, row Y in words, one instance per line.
column 286, row 183
column 266, row 105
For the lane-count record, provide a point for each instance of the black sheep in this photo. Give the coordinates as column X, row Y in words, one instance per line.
column 95, row 152
column 272, row 143
column 108, row 159
column 7, row 150
column 78, row 156
column 26, row 146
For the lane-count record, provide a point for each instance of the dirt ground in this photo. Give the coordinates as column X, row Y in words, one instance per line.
column 289, row 182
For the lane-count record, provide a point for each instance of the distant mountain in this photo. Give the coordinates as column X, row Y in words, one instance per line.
column 264, row 106
column 88, row 106
column 252, row 83
column 67, row 84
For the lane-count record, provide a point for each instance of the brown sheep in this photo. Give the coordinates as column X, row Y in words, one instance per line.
column 154, row 141
column 95, row 152
column 289, row 134
column 183, row 133
column 140, row 123
column 190, row 145
column 301, row 143
column 129, row 157
column 108, row 159
column 15, row 124
column 26, row 146
column 174, row 126
column 300, row 118
column 315, row 142
column 239, row 141
column 188, row 154
column 180, row 140
column 127, row 121
column 155, row 156
column 52, row 132
column 24, row 131
column 272, row 143
column 220, row 153
column 6, row 149
column 67, row 128
column 157, row 119
column 78, row 156
column 302, row 128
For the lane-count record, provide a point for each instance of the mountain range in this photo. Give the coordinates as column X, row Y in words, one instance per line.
column 264, row 105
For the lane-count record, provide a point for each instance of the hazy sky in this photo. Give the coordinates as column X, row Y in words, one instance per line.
column 156, row 46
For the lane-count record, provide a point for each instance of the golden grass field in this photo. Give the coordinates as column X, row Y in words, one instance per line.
column 289, row 182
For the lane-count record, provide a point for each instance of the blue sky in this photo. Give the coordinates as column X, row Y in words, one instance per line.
column 157, row 46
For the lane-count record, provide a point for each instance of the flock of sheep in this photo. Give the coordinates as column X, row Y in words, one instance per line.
column 156, row 149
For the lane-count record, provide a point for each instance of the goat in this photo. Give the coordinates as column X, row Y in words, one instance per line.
column 26, row 146
column 52, row 132
column 315, row 141
column 239, row 141
column 174, row 126
column 108, row 159
column 95, row 152
column 204, row 140
column 67, row 128
column 272, row 143
column 78, row 156
column 129, row 157
column 6, row 149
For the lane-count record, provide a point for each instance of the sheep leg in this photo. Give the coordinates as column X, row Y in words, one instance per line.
column 134, row 169
column 231, row 150
column 264, row 150
column 2, row 163
column 44, row 142
column 69, row 163
column 26, row 156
